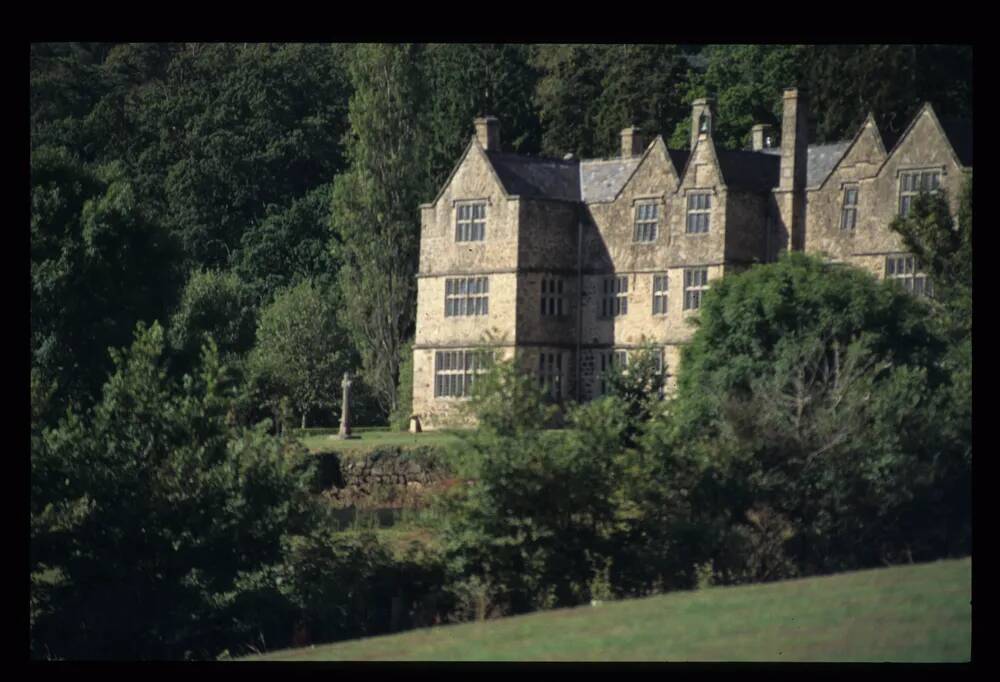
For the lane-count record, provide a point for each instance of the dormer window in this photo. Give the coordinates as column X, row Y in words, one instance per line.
column 703, row 123
column 470, row 224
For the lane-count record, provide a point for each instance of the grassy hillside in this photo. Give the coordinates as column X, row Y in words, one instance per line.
column 905, row 613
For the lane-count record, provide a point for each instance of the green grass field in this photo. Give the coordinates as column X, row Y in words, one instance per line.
column 365, row 441
column 911, row 613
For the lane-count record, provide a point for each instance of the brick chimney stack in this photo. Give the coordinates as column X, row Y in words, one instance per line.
column 488, row 132
column 632, row 142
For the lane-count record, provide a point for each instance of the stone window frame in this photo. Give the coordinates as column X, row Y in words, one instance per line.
column 553, row 297
column 550, row 374
column 466, row 296
column 849, row 211
column 661, row 291
column 646, row 227
column 907, row 189
column 702, row 214
column 614, row 299
column 906, row 270
column 694, row 291
column 470, row 228
column 455, row 372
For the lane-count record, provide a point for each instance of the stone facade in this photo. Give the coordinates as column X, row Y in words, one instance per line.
column 587, row 258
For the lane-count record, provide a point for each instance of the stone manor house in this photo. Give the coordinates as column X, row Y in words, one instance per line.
column 574, row 263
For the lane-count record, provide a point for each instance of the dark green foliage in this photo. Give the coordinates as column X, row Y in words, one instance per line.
column 845, row 82
column 823, row 396
column 477, row 80
column 99, row 264
column 302, row 352
column 642, row 85
column 746, row 82
column 400, row 419
column 215, row 305
column 587, row 93
column 374, row 216
column 532, row 526
column 944, row 248
column 156, row 515
column 823, row 420
column 288, row 246
column 639, row 386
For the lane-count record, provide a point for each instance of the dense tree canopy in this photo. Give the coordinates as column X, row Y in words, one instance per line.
column 151, row 516
column 252, row 210
column 825, row 398
column 302, row 351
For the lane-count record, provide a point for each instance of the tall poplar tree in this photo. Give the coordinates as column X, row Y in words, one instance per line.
column 374, row 219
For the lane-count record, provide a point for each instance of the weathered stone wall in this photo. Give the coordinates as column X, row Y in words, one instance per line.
column 438, row 413
column 385, row 478
column 547, row 235
column 924, row 147
column 746, row 224
column 440, row 253
column 530, row 239
column 443, row 257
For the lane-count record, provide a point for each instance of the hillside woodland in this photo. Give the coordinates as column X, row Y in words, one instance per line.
column 220, row 231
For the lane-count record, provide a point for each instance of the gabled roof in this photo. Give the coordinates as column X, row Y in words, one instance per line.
column 821, row 159
column 958, row 132
column 602, row 179
column 537, row 177
column 746, row 170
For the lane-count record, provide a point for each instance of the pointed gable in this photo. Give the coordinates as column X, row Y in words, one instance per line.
column 655, row 166
column 473, row 156
column 702, row 166
column 936, row 146
column 865, row 148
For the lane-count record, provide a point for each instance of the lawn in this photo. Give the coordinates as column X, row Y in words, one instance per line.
column 908, row 613
column 365, row 441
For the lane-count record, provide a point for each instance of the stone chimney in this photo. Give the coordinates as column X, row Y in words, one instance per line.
column 632, row 142
column 488, row 132
column 762, row 137
column 794, row 141
column 790, row 194
column 701, row 119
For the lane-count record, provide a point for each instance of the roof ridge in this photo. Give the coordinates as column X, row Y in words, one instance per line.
column 532, row 157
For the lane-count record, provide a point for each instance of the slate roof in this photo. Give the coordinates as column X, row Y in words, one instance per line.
column 959, row 132
column 820, row 160
column 749, row 170
column 536, row 176
column 601, row 179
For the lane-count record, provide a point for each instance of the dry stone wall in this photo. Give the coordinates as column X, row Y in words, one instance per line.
column 385, row 478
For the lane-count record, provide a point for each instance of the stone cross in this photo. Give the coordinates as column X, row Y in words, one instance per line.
column 345, row 412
